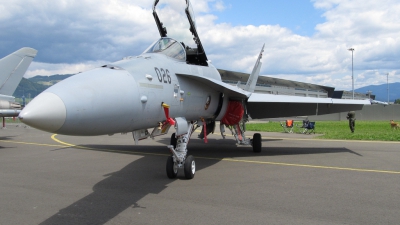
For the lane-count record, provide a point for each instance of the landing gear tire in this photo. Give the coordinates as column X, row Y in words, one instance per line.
column 257, row 142
column 172, row 168
column 173, row 140
column 189, row 167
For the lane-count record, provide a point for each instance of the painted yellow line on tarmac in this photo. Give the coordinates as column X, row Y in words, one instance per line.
column 336, row 140
column 32, row 143
column 235, row 160
column 103, row 149
column 61, row 142
column 305, row 165
column 314, row 139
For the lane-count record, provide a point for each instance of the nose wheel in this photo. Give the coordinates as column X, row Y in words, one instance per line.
column 172, row 168
column 189, row 167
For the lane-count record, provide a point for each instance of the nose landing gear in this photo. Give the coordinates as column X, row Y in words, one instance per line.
column 178, row 147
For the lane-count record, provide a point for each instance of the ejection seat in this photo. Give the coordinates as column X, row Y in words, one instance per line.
column 193, row 57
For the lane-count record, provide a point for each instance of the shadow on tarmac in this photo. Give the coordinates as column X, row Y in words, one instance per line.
column 119, row 191
column 123, row 189
column 5, row 138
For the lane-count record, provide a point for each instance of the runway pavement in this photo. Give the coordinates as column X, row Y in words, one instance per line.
column 56, row 179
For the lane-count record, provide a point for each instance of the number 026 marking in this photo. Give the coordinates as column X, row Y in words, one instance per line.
column 163, row 75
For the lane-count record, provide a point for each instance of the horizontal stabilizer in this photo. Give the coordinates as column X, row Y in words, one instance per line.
column 13, row 68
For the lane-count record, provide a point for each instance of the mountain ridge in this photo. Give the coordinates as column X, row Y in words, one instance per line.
column 380, row 91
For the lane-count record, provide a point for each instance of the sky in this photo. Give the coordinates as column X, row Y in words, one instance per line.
column 305, row 40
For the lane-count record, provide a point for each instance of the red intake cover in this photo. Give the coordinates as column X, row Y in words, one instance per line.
column 234, row 113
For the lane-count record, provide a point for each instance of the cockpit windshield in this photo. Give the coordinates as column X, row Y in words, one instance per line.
column 168, row 47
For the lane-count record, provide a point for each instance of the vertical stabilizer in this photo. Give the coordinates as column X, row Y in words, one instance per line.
column 251, row 82
column 13, row 68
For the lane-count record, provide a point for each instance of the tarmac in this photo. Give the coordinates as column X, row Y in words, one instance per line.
column 296, row 179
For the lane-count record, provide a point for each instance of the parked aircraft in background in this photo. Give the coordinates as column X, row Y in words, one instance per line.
column 169, row 84
column 378, row 102
column 12, row 69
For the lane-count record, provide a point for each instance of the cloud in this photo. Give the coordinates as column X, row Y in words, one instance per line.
column 74, row 35
column 76, row 31
column 219, row 6
column 363, row 25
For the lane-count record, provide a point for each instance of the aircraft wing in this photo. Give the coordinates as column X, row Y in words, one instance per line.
column 265, row 80
column 261, row 106
column 272, row 106
column 233, row 91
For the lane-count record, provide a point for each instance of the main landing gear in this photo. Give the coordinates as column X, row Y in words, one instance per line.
column 178, row 147
column 256, row 142
column 179, row 140
column 238, row 132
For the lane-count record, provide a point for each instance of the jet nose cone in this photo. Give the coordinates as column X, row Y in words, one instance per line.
column 45, row 112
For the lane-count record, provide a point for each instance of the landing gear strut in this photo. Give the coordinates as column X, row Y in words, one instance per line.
column 173, row 140
column 178, row 148
column 238, row 133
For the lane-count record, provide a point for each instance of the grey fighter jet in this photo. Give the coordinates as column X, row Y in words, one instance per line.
column 168, row 85
column 12, row 69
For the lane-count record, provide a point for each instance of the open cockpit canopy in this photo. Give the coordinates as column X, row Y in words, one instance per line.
column 168, row 47
column 195, row 56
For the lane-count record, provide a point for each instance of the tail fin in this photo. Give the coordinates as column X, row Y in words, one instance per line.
column 13, row 68
column 251, row 82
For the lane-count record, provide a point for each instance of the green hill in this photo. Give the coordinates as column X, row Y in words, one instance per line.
column 53, row 79
column 31, row 87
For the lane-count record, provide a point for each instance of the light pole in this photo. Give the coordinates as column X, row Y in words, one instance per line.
column 388, row 86
column 352, row 74
column 369, row 94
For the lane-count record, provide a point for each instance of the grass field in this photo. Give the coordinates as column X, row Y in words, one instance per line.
column 364, row 130
column 10, row 120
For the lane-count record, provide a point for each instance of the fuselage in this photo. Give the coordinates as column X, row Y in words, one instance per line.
column 125, row 96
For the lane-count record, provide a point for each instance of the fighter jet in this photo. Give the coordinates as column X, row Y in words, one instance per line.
column 12, row 69
column 169, row 85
